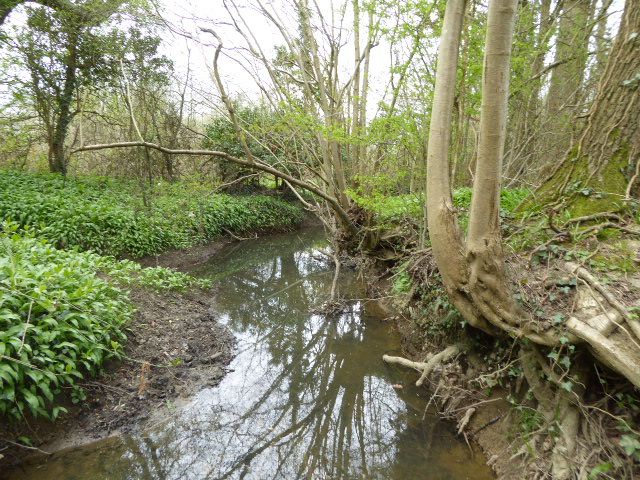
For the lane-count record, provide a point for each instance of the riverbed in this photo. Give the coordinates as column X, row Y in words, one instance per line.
column 306, row 396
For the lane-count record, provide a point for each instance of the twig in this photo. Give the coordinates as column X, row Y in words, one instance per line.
column 488, row 424
column 28, row 447
column 240, row 239
column 26, row 327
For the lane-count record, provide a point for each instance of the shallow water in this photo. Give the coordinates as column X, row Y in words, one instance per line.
column 307, row 396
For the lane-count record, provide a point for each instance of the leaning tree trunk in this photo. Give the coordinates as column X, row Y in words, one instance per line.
column 473, row 273
column 601, row 172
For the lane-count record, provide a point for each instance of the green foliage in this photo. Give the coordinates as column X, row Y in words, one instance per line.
column 620, row 256
column 376, row 193
column 401, row 281
column 437, row 316
column 106, row 216
column 62, row 314
column 80, row 48
column 58, row 321
column 530, row 419
column 221, row 135
column 602, row 468
column 631, row 446
column 126, row 272
column 510, row 198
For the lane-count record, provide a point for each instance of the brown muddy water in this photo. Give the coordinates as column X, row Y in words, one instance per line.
column 307, row 395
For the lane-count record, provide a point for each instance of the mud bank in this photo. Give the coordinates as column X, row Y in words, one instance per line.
column 175, row 348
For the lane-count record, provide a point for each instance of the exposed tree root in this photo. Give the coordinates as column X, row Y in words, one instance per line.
column 425, row 368
column 586, row 276
column 558, row 406
column 484, row 298
column 464, row 421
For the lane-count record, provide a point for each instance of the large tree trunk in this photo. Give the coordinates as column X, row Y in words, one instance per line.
column 63, row 107
column 565, row 92
column 601, row 171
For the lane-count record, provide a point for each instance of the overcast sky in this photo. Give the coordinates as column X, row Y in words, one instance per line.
column 189, row 16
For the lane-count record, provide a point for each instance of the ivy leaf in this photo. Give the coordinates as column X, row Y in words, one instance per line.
column 568, row 386
column 598, row 469
column 630, row 444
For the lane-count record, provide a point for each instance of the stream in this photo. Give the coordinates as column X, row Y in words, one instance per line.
column 307, row 395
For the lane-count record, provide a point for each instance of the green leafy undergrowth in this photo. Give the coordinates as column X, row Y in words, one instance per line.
column 127, row 272
column 110, row 217
column 392, row 208
column 62, row 314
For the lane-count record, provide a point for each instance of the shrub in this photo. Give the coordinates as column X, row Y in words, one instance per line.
column 392, row 208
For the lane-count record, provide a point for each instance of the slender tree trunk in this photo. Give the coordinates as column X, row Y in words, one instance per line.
column 602, row 39
column 444, row 232
column 333, row 164
column 355, row 97
column 484, row 219
column 58, row 154
column 523, row 160
column 364, row 93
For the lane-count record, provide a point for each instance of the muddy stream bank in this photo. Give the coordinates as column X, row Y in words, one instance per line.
column 305, row 396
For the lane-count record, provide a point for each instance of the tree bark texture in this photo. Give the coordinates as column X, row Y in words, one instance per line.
column 599, row 173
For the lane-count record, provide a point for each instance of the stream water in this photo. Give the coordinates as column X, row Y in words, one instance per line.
column 307, row 395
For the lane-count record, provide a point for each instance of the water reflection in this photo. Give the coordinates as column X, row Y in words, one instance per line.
column 307, row 397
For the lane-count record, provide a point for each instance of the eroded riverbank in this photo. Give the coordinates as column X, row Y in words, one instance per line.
column 306, row 396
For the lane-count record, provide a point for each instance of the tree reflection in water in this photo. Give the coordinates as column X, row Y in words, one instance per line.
column 308, row 395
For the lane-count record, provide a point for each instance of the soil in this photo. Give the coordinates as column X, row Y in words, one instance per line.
column 175, row 348
column 186, row 260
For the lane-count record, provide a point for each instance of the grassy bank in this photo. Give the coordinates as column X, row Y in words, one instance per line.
column 62, row 314
column 111, row 217
column 391, row 208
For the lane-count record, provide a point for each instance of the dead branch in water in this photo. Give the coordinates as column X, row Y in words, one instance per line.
column 425, row 368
